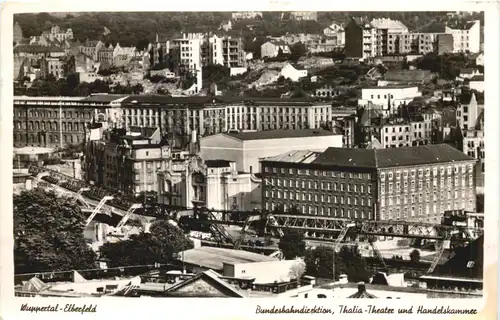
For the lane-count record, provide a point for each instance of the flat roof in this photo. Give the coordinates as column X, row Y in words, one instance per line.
column 213, row 258
column 280, row 134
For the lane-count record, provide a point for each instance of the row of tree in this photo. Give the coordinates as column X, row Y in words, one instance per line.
column 49, row 236
column 319, row 261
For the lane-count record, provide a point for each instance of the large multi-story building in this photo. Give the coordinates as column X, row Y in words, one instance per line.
column 186, row 58
column 410, row 184
column 381, row 37
column 127, row 161
column 247, row 148
column 227, row 51
column 58, row 121
column 57, row 33
column 211, row 115
column 50, row 121
column 466, row 36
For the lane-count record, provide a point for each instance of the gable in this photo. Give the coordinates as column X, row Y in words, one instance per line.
column 200, row 287
column 203, row 286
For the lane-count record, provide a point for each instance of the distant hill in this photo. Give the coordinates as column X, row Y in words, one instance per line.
column 140, row 28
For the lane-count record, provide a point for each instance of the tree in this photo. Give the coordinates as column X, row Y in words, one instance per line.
column 415, row 256
column 160, row 245
column 319, row 263
column 297, row 50
column 49, row 234
column 292, row 244
column 297, row 270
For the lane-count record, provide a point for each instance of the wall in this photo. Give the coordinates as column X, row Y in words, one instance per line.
column 353, row 40
column 254, row 150
column 263, row 272
column 237, row 70
column 220, row 146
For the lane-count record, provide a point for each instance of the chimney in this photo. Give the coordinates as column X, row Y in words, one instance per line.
column 361, row 287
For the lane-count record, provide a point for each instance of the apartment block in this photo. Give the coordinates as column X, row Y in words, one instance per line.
column 409, row 184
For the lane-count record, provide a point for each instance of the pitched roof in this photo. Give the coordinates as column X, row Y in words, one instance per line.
column 212, row 278
column 391, row 157
column 213, row 258
column 280, row 134
column 299, row 156
column 104, row 97
column 462, row 25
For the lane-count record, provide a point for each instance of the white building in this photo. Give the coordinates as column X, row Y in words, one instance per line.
column 248, row 148
column 468, row 112
column 389, row 98
column 392, row 26
column 271, row 49
column 466, row 36
column 228, row 190
column 189, row 54
column 293, row 73
column 250, row 15
column 124, row 51
column 480, row 60
column 477, row 83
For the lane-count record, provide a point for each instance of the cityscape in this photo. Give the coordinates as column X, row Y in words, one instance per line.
column 249, row 154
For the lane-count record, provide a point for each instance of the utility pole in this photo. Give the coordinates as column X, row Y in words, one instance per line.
column 333, row 264
column 60, row 124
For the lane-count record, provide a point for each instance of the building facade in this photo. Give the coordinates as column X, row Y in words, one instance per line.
column 51, row 121
column 410, row 184
column 271, row 49
column 247, row 148
column 388, row 98
column 466, row 36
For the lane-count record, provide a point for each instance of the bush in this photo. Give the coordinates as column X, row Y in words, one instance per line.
column 415, row 256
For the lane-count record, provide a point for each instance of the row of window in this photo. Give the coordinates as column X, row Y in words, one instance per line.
column 310, row 184
column 53, row 114
column 449, row 184
column 405, row 173
column 350, row 213
column 45, row 139
column 422, row 210
column 323, row 198
column 414, row 198
column 36, row 125
column 318, row 173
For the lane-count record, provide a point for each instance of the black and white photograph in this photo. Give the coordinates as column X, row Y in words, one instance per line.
column 255, row 154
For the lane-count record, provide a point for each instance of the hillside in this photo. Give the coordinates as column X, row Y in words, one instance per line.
column 139, row 28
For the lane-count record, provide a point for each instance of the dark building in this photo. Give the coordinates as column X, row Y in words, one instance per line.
column 411, row 184
column 55, row 121
column 444, row 43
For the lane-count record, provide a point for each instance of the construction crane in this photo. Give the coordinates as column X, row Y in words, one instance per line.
column 98, row 208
